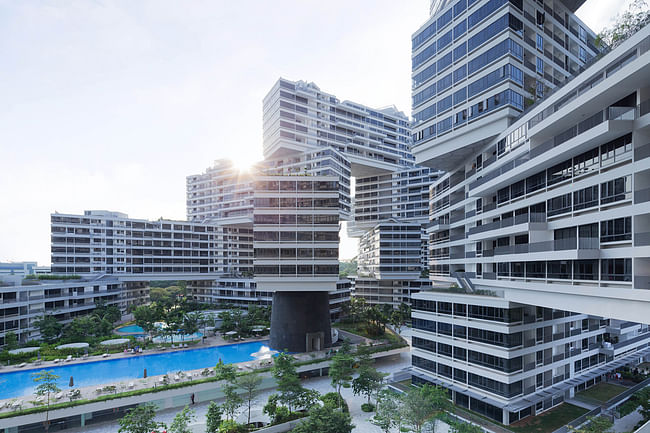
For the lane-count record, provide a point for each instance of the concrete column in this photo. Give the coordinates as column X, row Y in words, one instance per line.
column 296, row 314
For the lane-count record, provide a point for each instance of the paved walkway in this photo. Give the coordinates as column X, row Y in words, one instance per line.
column 627, row 423
column 582, row 404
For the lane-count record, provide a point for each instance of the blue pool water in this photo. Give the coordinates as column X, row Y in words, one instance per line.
column 131, row 329
column 20, row 383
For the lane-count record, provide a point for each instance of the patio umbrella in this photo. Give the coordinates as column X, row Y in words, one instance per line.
column 71, row 384
column 145, row 373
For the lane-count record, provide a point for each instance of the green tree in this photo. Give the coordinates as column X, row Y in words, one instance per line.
column 49, row 327
column 182, row 420
column 631, row 21
column 232, row 400
column 376, row 320
column 250, row 383
column 140, row 419
column 325, row 419
column 213, row 418
column 341, row 368
column 11, row 340
column 227, row 372
column 388, row 414
column 400, row 317
column 111, row 313
column 358, row 309
column 146, row 317
column 369, row 379
column 173, row 319
column 81, row 328
column 644, row 401
column 189, row 324
column 285, row 375
column 423, row 404
column 46, row 386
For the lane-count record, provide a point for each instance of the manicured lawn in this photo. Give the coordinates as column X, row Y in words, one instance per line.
column 548, row 421
column 601, row 392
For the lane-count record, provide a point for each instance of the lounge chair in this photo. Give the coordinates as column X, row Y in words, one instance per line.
column 131, row 385
column 98, row 390
column 177, row 377
column 161, row 380
column 16, row 404
column 69, row 358
column 58, row 396
column 105, row 355
column 22, row 365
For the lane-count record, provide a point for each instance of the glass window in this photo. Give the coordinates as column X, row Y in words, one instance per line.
column 559, row 173
column 619, row 229
column 540, row 43
column 585, row 162
column 616, row 190
column 540, row 66
column 460, row 29
column 460, row 51
column 445, row 40
column 460, row 73
column 444, row 104
column 423, row 36
column 444, row 83
column 419, row 59
column 616, row 269
column 615, row 149
column 445, row 19
column 585, row 198
column 460, row 95
column 460, row 7
column 426, row 74
column 444, row 62
column 424, row 95
column 559, row 205
column 484, row 11
column 506, row 47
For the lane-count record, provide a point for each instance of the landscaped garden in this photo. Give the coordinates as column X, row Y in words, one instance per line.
column 600, row 392
column 548, row 421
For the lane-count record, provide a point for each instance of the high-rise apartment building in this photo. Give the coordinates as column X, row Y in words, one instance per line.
column 478, row 57
column 300, row 118
column 540, row 211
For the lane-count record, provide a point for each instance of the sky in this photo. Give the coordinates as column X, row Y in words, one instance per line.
column 111, row 104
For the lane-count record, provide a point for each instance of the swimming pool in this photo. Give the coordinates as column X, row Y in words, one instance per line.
column 20, row 383
column 131, row 329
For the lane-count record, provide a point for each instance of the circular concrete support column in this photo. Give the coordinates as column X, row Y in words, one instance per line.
column 300, row 321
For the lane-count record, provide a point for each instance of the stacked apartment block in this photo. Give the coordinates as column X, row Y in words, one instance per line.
column 537, row 230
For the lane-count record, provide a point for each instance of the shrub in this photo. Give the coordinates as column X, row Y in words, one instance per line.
column 368, row 407
column 230, row 426
column 334, row 400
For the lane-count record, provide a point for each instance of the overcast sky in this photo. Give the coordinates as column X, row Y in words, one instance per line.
column 110, row 104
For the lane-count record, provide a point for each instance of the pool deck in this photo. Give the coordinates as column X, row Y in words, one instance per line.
column 214, row 341
column 91, row 392
column 138, row 383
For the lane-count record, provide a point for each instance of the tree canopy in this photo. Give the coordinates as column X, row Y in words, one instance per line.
column 140, row 419
column 625, row 25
